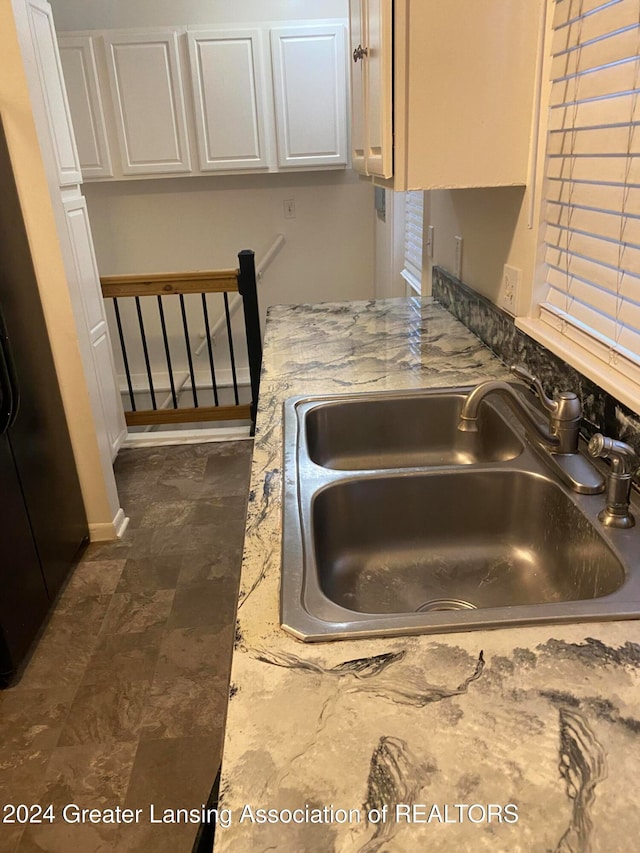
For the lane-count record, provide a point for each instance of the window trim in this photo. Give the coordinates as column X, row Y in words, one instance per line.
column 611, row 371
column 607, row 377
column 409, row 268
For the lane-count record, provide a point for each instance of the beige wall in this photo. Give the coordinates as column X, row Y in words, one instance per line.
column 493, row 226
column 499, row 225
column 31, row 181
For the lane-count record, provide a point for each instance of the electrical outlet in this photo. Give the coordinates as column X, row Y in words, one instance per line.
column 458, row 257
column 429, row 246
column 289, row 205
column 508, row 297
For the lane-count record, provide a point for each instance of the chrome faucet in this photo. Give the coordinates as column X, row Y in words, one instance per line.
column 623, row 466
column 559, row 437
column 565, row 413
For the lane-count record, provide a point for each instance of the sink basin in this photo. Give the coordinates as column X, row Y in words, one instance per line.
column 435, row 542
column 394, row 522
column 382, row 431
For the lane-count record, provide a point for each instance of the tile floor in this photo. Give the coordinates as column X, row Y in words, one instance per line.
column 123, row 700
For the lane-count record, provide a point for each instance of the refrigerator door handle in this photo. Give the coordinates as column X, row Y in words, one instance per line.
column 9, row 390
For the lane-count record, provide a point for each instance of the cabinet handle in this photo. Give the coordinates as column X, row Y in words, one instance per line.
column 360, row 53
column 9, row 392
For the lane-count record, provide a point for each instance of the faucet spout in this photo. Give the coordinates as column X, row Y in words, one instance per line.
column 516, row 402
column 558, row 439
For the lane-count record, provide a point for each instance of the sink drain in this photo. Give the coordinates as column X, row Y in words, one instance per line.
column 445, row 604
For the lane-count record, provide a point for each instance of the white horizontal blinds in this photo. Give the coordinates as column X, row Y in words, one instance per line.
column 592, row 187
column 413, row 216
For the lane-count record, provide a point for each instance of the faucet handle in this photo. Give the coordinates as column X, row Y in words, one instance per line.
column 565, row 411
column 536, row 386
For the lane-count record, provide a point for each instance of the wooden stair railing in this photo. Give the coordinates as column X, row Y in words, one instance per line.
column 159, row 285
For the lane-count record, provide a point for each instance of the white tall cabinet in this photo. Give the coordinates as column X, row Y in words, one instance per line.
column 86, row 293
column 48, row 70
column 52, row 117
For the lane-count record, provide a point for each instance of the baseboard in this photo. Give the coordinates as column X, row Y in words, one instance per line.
column 195, row 436
column 108, row 531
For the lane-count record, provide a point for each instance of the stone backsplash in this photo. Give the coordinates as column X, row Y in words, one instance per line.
column 602, row 412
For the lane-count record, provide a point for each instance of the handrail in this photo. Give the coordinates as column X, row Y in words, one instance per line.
column 165, row 283
column 234, row 301
column 240, row 282
column 277, row 244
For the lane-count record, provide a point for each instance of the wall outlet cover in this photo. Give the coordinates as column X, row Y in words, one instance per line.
column 508, row 296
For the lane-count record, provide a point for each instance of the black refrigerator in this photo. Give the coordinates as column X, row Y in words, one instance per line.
column 43, row 525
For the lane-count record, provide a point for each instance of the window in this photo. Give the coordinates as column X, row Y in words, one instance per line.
column 413, row 215
column 590, row 300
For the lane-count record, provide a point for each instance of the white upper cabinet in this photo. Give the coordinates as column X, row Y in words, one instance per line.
column 148, row 100
column 77, row 54
column 227, row 74
column 43, row 37
column 198, row 100
column 310, row 91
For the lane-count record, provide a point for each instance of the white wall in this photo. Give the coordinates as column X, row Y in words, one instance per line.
column 100, row 14
column 201, row 223
column 195, row 223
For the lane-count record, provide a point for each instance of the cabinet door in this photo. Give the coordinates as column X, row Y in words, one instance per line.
column 81, row 81
column 310, row 90
column 228, row 82
column 357, row 32
column 146, row 87
column 379, row 88
column 86, row 291
column 47, row 59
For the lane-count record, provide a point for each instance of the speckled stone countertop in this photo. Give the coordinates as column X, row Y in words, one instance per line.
column 430, row 742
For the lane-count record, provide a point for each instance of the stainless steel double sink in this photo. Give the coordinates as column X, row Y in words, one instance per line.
column 395, row 522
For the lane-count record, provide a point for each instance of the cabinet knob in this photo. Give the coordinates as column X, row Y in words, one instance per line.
column 360, row 53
